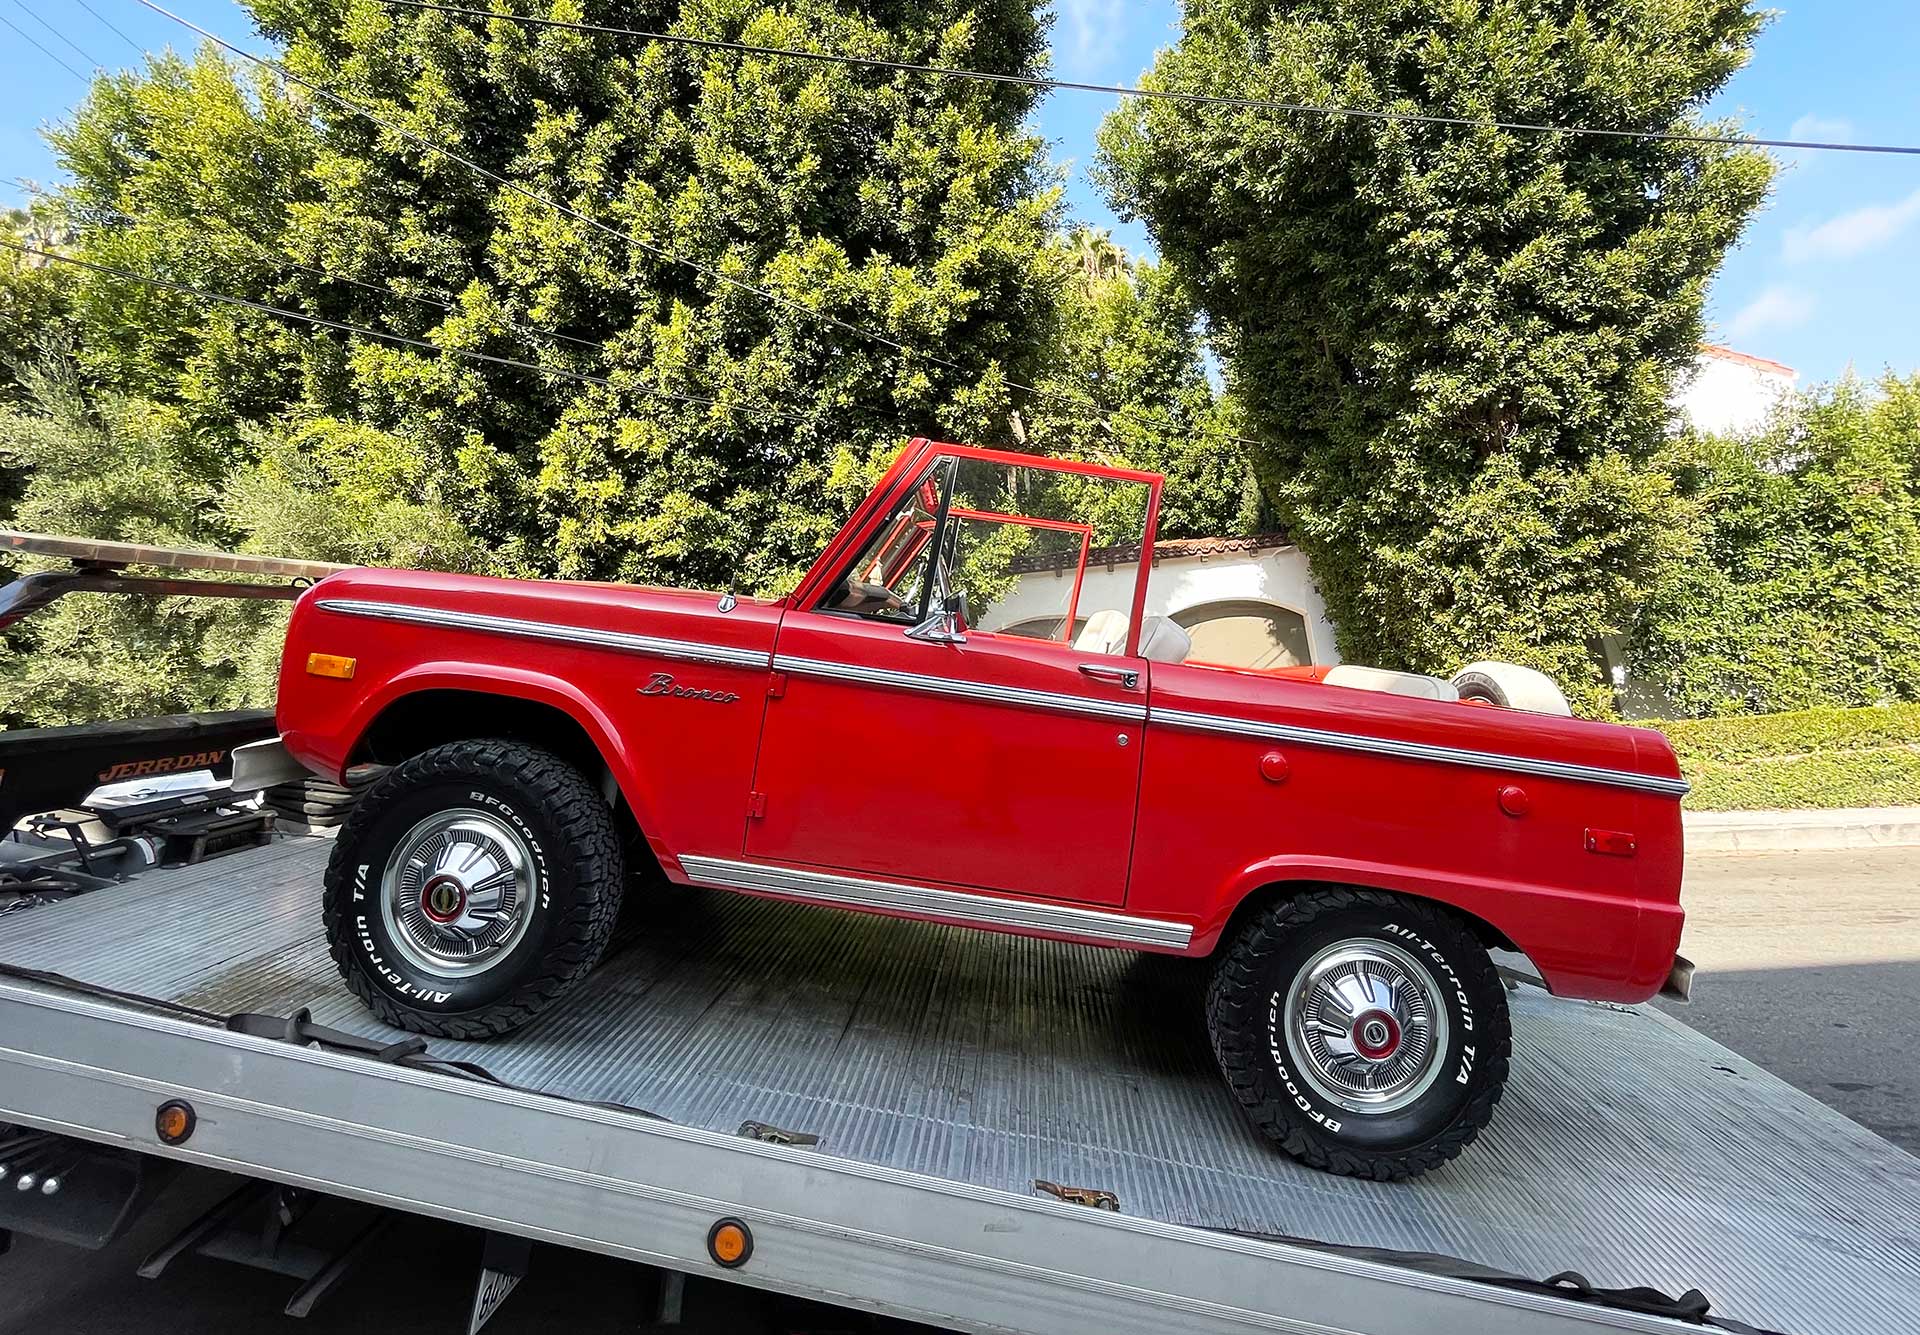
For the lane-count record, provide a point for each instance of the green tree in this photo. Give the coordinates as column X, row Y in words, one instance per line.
column 918, row 208
column 1808, row 542
column 1128, row 385
column 1454, row 342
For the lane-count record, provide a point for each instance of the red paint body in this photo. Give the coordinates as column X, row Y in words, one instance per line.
column 960, row 792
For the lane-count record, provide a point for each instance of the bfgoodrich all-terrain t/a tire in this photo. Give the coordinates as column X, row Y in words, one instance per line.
column 472, row 887
column 1364, row 1033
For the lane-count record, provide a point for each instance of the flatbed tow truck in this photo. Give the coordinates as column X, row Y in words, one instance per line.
column 978, row 1132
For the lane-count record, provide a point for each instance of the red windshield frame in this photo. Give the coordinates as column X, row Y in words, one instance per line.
column 879, row 503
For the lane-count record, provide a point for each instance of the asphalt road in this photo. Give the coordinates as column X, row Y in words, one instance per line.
column 1809, row 966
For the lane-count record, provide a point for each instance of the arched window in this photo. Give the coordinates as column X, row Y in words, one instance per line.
column 1043, row 628
column 1244, row 632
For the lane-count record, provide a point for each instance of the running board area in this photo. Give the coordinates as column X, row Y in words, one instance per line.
column 956, row 906
column 587, row 1176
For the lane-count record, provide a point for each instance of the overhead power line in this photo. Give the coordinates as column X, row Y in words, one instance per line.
column 41, row 47
column 1154, row 94
column 109, row 24
column 187, row 289
column 1079, row 402
column 271, row 253
column 77, row 48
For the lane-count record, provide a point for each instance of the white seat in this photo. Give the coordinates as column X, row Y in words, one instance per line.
column 1163, row 641
column 1104, row 633
column 1393, row 683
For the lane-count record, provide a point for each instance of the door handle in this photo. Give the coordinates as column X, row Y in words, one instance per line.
column 1119, row 676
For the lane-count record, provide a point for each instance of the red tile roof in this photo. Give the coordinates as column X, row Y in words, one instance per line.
column 1718, row 353
column 1166, row 549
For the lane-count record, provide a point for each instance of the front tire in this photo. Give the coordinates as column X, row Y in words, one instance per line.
column 472, row 887
column 1364, row 1033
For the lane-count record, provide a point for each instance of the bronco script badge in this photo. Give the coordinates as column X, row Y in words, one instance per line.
column 662, row 683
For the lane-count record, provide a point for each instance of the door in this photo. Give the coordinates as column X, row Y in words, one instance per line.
column 991, row 761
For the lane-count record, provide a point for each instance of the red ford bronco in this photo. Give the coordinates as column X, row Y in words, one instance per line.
column 903, row 735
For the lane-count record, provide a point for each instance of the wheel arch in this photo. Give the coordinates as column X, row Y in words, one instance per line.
column 429, row 709
column 1261, row 893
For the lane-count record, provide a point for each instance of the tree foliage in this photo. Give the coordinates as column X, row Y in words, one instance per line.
column 734, row 429
column 1129, row 345
column 1807, row 535
column 1454, row 342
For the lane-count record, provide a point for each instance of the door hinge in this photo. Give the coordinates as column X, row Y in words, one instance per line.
column 756, row 805
column 776, row 685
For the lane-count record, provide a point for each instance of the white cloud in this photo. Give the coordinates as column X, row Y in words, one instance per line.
column 1097, row 27
column 1812, row 129
column 1853, row 233
column 1776, row 308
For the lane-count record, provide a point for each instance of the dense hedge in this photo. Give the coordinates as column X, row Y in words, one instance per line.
column 1799, row 590
column 1815, row 758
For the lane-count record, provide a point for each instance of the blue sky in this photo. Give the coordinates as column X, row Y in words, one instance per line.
column 1829, row 275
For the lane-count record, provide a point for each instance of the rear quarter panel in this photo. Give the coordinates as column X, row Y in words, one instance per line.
column 683, row 764
column 1212, row 829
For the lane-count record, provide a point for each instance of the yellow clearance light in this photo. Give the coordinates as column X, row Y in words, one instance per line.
column 330, row 665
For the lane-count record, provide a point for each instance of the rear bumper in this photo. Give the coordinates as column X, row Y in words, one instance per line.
column 1679, row 984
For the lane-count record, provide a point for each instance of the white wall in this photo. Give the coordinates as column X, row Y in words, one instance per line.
column 1277, row 575
column 1725, row 395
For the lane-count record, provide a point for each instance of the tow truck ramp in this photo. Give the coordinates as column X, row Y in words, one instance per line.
column 944, row 1073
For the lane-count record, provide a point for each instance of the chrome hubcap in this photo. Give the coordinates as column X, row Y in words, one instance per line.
column 457, row 893
column 1366, row 1025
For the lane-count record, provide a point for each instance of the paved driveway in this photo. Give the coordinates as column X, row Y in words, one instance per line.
column 1810, row 967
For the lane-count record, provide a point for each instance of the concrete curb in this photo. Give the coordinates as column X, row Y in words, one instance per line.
column 1792, row 831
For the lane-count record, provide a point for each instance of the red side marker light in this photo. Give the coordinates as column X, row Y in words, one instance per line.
column 1611, row 843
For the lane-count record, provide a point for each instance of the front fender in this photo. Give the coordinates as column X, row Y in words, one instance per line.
column 327, row 749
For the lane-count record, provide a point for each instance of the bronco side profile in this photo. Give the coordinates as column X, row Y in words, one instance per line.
column 903, row 735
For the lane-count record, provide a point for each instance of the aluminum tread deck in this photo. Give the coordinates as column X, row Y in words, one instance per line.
column 1628, row 1147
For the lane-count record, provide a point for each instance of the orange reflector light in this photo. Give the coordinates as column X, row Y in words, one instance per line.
column 173, row 1121
column 729, row 1243
column 330, row 665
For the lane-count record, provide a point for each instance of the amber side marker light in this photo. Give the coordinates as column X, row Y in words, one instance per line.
column 729, row 1243
column 330, row 665
column 173, row 1121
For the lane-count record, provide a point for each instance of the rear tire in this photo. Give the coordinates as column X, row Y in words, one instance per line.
column 1364, row 1033
column 472, row 887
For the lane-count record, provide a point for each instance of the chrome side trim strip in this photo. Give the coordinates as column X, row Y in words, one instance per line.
column 556, row 632
column 1446, row 755
column 947, row 905
column 1017, row 696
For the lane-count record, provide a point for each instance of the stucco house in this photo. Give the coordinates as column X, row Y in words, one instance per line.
column 1730, row 391
column 1245, row 602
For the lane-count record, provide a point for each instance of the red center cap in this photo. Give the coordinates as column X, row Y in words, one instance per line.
column 1375, row 1035
column 443, row 899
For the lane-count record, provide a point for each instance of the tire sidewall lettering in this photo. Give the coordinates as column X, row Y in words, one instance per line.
column 400, row 980
column 1276, row 1048
column 1452, row 994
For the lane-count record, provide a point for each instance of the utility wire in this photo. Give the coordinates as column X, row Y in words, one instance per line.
column 35, row 42
column 185, row 289
column 1078, row 401
column 1155, row 94
column 109, row 24
column 78, row 49
column 24, row 184
column 271, row 253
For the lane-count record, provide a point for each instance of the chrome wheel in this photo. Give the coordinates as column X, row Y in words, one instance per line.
column 457, row 893
column 1366, row 1025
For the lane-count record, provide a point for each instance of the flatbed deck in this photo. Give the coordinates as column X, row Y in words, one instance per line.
column 1628, row 1148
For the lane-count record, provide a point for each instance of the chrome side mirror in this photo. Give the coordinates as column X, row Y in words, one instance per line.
column 946, row 624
